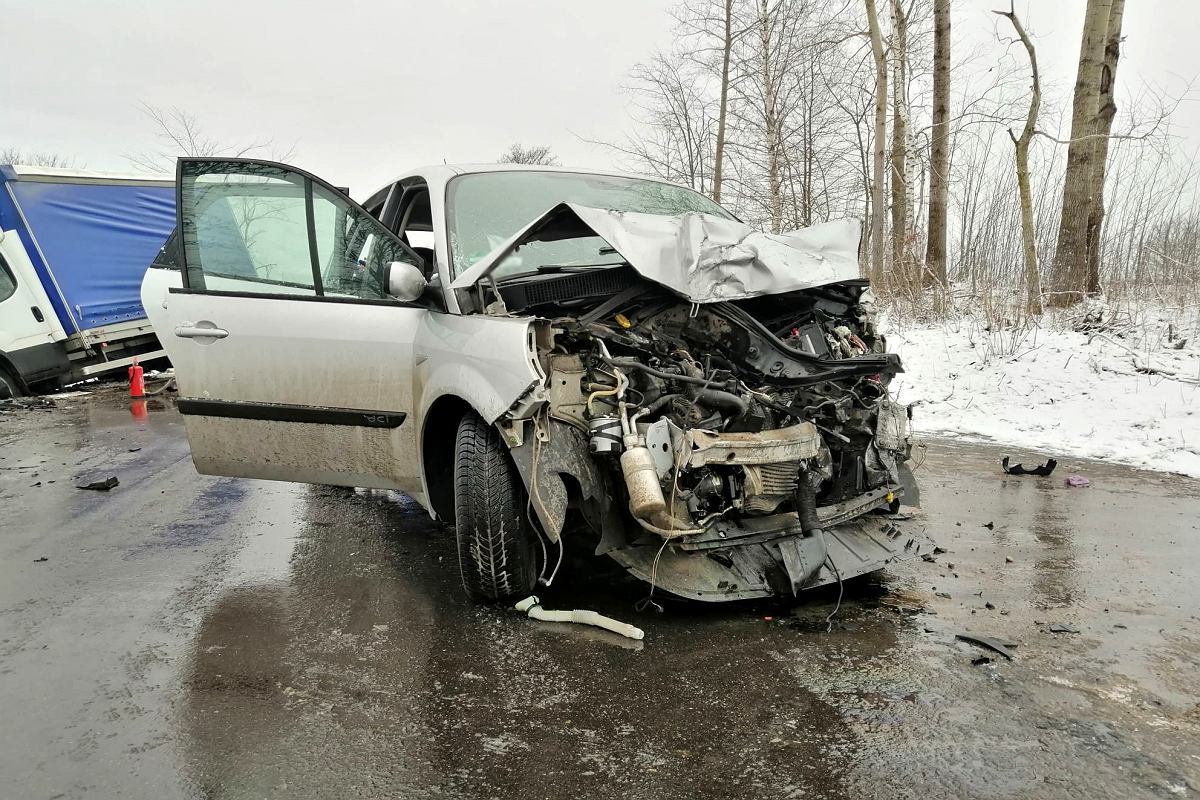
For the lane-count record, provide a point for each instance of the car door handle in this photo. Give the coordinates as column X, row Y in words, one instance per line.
column 201, row 330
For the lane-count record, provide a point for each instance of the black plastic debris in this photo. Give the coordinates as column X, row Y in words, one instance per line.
column 40, row 560
column 101, row 486
column 1056, row 627
column 980, row 660
column 1018, row 469
column 927, row 557
column 991, row 526
column 1003, row 648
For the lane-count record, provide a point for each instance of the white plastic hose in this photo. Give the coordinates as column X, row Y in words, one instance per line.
column 532, row 606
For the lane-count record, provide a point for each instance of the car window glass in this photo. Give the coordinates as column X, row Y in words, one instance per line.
column 487, row 208
column 353, row 248
column 8, row 283
column 246, row 227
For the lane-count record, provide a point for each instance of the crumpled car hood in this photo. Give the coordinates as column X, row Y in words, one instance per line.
column 701, row 257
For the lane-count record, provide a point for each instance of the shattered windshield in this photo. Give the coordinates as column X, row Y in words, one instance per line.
column 484, row 209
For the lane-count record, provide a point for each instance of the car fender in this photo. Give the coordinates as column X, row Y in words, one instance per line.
column 489, row 362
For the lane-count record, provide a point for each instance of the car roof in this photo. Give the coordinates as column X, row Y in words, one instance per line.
column 441, row 173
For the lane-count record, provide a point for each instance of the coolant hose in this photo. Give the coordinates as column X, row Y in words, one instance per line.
column 806, row 506
column 532, row 606
column 724, row 400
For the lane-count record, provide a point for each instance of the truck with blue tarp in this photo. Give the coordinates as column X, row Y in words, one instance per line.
column 74, row 246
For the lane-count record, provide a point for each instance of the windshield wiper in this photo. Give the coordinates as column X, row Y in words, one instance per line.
column 576, row 267
column 559, row 269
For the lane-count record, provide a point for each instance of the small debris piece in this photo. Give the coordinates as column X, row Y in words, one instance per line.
column 980, row 660
column 1056, row 627
column 991, row 526
column 1003, row 648
column 1076, row 480
column 1017, row 469
column 928, row 557
column 101, row 486
column 944, row 594
column 1119, row 625
column 134, row 449
column 40, row 560
column 1008, row 560
column 988, row 605
column 937, row 551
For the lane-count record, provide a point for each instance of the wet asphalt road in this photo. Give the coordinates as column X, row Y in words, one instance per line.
column 216, row 638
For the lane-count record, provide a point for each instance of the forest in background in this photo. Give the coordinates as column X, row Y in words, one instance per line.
column 975, row 191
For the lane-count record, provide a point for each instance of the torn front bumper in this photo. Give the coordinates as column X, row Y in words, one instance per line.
column 771, row 557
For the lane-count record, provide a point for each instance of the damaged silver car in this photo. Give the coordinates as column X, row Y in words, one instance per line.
column 548, row 360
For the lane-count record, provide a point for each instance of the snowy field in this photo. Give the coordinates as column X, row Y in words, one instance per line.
column 1119, row 392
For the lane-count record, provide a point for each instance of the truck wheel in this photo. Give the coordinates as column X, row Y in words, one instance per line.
column 9, row 386
column 497, row 551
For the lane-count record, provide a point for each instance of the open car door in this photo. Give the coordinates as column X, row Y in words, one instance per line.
column 293, row 363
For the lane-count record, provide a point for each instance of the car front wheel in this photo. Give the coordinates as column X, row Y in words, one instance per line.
column 9, row 386
column 497, row 547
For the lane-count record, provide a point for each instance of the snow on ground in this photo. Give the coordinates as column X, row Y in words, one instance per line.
column 1125, row 396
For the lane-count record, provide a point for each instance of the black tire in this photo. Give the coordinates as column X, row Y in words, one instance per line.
column 9, row 386
column 497, row 549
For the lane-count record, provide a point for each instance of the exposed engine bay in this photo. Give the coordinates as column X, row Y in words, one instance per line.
column 716, row 402
column 763, row 421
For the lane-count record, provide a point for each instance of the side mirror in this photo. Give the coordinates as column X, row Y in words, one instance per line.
column 404, row 281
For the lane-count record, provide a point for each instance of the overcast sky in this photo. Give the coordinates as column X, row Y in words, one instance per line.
column 364, row 90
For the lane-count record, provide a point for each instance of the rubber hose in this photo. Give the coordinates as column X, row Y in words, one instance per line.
column 726, row 400
column 806, row 506
column 629, row 363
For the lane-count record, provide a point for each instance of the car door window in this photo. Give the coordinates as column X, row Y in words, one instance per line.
column 8, row 284
column 265, row 228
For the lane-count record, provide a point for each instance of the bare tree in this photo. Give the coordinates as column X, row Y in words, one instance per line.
column 538, row 154
column 939, row 158
column 1107, row 110
column 673, row 137
column 901, row 176
column 180, row 133
column 879, row 137
column 15, row 155
column 1070, row 257
column 723, row 107
column 1033, row 285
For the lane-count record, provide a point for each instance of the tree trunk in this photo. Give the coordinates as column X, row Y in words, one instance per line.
column 880, row 141
column 899, row 173
column 727, row 48
column 1033, row 284
column 939, row 158
column 771, row 122
column 1070, row 257
column 1107, row 110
